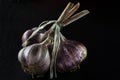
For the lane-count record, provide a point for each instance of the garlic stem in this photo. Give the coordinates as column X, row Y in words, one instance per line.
column 43, row 23
column 75, row 17
column 68, row 7
column 72, row 11
column 41, row 27
column 55, row 50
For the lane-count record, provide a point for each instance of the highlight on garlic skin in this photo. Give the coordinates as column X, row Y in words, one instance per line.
column 49, row 50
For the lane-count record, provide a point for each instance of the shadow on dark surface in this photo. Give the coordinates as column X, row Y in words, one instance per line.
column 16, row 16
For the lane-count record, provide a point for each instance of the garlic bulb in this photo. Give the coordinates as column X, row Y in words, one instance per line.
column 70, row 55
column 36, row 34
column 27, row 34
column 35, row 59
column 39, row 37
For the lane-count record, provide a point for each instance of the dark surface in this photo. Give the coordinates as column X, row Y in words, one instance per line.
column 95, row 31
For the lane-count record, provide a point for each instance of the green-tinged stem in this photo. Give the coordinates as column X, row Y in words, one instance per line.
column 43, row 23
column 41, row 27
column 55, row 51
column 57, row 47
column 75, row 17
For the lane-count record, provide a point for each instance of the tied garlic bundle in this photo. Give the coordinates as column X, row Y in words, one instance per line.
column 48, row 50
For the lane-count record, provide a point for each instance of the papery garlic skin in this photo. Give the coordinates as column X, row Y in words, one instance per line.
column 35, row 59
column 70, row 55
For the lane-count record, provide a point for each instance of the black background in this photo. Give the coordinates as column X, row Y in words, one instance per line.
column 97, row 31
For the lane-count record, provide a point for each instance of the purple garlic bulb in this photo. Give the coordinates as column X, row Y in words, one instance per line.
column 70, row 55
column 39, row 37
column 35, row 59
column 27, row 34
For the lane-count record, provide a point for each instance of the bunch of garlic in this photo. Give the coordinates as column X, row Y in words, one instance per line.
column 48, row 50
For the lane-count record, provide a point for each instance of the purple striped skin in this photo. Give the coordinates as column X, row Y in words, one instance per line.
column 35, row 59
column 70, row 55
